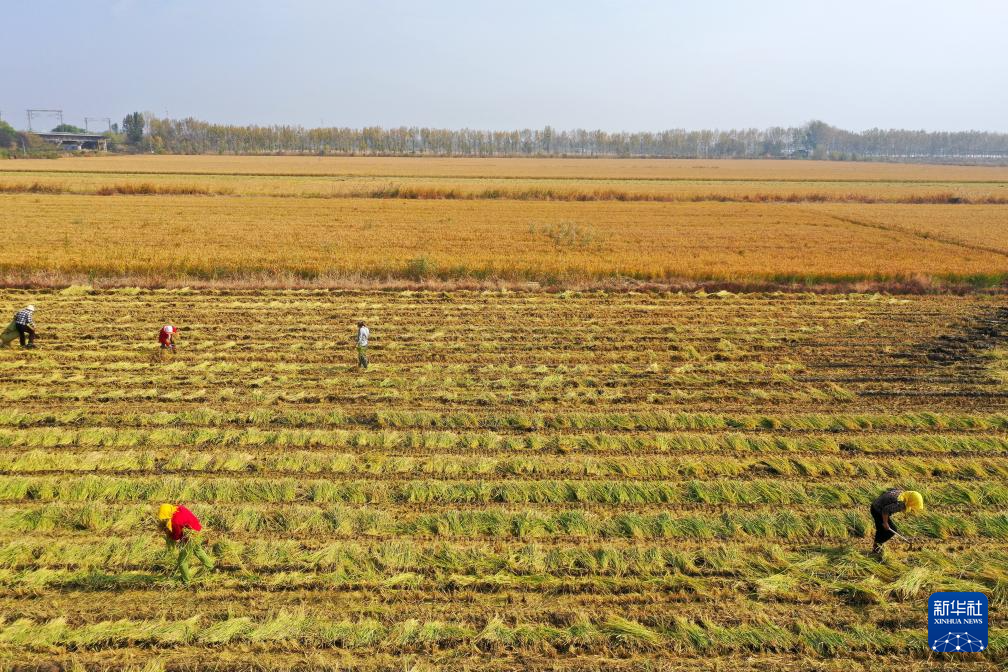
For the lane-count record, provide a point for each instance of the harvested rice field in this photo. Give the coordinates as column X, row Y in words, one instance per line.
column 548, row 481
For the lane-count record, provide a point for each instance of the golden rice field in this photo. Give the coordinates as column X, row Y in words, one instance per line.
column 567, row 481
column 526, row 188
column 621, row 169
column 194, row 237
column 323, row 221
column 664, row 462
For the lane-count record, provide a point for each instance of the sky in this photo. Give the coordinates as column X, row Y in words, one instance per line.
column 633, row 65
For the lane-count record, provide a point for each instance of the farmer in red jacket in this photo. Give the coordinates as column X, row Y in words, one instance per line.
column 166, row 337
column 182, row 529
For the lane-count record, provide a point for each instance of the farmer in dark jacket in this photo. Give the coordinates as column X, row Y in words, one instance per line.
column 886, row 505
column 25, row 323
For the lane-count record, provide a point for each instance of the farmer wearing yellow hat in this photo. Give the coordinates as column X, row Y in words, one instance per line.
column 181, row 529
column 887, row 504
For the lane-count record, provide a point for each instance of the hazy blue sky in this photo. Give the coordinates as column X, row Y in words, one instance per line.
column 634, row 65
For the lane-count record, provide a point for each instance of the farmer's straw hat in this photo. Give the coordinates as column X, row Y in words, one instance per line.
column 165, row 513
column 914, row 500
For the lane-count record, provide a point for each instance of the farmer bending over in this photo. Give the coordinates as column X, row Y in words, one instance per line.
column 362, row 339
column 166, row 337
column 887, row 504
column 25, row 324
column 182, row 529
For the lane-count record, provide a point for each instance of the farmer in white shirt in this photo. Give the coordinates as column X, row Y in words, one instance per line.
column 362, row 340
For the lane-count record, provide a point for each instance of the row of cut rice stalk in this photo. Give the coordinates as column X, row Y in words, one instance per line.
column 772, row 572
column 610, row 634
column 215, row 358
column 859, row 579
column 395, row 556
column 279, row 567
column 136, row 363
column 538, row 442
column 571, row 465
column 706, row 345
column 334, row 392
column 747, row 561
column 344, row 522
column 340, row 392
column 651, row 420
column 490, row 359
column 719, row 492
column 703, row 594
column 569, row 353
column 329, row 382
column 33, row 581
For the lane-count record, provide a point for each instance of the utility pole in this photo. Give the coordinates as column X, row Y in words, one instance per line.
column 34, row 113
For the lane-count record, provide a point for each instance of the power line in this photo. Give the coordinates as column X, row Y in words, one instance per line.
column 108, row 122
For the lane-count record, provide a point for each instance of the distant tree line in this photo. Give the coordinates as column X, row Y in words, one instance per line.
column 815, row 139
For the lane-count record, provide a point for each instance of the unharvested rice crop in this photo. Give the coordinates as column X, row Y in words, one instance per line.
column 573, row 189
column 977, row 227
column 152, row 239
column 302, row 221
column 577, row 480
column 619, row 169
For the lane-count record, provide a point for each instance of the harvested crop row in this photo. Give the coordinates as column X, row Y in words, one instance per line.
column 485, row 521
column 773, row 571
column 771, row 446
column 924, row 422
column 641, row 465
column 612, row 634
column 696, row 467
column 612, row 492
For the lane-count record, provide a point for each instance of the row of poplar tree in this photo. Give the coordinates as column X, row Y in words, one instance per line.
column 813, row 140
